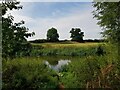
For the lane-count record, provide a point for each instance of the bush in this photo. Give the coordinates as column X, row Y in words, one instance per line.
column 24, row 73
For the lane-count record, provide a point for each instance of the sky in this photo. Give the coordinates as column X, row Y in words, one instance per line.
column 41, row 16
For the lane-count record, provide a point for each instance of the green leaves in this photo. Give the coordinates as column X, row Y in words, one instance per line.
column 76, row 34
column 108, row 16
column 14, row 42
column 10, row 5
column 52, row 35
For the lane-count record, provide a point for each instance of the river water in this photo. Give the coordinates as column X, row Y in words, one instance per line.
column 58, row 66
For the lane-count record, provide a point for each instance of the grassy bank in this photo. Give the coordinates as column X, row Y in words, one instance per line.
column 88, row 72
column 66, row 49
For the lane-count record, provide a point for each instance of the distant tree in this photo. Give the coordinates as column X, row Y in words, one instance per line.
column 14, row 42
column 76, row 34
column 52, row 35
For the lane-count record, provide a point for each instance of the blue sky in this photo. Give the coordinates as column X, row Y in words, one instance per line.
column 40, row 16
column 52, row 9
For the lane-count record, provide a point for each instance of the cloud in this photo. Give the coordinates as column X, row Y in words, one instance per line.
column 81, row 19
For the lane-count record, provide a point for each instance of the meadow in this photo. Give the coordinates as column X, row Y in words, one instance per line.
column 96, row 66
column 67, row 49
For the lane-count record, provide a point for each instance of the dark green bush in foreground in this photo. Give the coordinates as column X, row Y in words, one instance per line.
column 25, row 74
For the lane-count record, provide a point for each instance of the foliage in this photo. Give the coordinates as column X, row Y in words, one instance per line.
column 96, row 72
column 52, row 35
column 76, row 34
column 66, row 41
column 84, row 72
column 108, row 16
column 27, row 73
column 9, row 5
column 14, row 42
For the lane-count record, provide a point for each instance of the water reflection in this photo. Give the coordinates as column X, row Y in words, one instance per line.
column 58, row 65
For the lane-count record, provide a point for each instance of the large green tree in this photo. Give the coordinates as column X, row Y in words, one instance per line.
column 14, row 42
column 76, row 34
column 108, row 16
column 52, row 35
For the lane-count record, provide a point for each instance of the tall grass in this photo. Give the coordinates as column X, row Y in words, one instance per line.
column 27, row 73
column 92, row 72
column 88, row 72
column 75, row 49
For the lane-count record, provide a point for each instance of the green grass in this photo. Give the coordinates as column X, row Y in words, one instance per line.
column 64, row 45
column 21, row 73
column 66, row 49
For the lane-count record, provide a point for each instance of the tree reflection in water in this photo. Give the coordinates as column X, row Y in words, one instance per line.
column 58, row 64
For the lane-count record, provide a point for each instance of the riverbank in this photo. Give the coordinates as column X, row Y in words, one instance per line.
column 83, row 72
column 67, row 49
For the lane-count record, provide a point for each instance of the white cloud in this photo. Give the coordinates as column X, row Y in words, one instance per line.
column 84, row 20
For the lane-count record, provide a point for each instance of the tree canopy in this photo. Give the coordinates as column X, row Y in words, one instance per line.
column 52, row 35
column 108, row 16
column 76, row 34
column 14, row 42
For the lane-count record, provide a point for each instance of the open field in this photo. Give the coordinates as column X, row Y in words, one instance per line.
column 66, row 49
column 67, row 44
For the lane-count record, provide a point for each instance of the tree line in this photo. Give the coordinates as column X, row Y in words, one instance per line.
column 76, row 35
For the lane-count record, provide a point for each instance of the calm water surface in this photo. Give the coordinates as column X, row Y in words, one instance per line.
column 59, row 65
column 57, row 62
